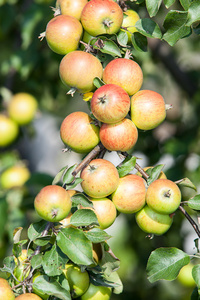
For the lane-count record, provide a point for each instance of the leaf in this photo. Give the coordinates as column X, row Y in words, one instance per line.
column 154, row 173
column 84, row 217
column 118, row 287
column 17, row 248
column 193, row 13
column 194, row 202
column 186, row 182
column 97, row 235
column 168, row 3
column 58, row 177
column 149, row 28
column 98, row 82
column 68, row 177
column 175, row 26
column 122, row 38
column 139, row 41
column 127, row 166
column 43, row 240
column 36, row 261
column 107, row 46
column 196, row 274
column 165, row 263
column 8, row 264
column 109, row 262
column 81, row 199
column 185, row 3
column 35, row 230
column 75, row 245
column 153, row 6
column 73, row 184
column 17, row 234
column 112, row 281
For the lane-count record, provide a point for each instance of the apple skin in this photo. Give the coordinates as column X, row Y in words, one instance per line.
column 15, row 176
column 129, row 20
column 78, row 132
column 100, row 178
column 102, row 16
column 121, row 136
column 28, row 296
column 22, row 108
column 125, row 73
column 185, row 276
column 78, row 281
column 97, row 293
column 163, row 196
column 110, row 103
column 161, row 176
column 9, row 131
column 63, row 34
column 147, row 109
column 5, row 290
column 129, row 197
column 71, row 8
column 53, row 203
column 78, row 62
column 152, row 222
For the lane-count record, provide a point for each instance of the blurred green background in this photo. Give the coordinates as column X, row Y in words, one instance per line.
column 28, row 65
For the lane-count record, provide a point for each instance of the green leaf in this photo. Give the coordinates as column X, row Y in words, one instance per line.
column 186, row 182
column 153, row 6
column 194, row 202
column 58, row 177
column 97, row 235
column 185, row 3
column 68, row 177
column 84, row 217
column 17, row 248
column 8, row 264
column 35, row 230
column 139, row 41
column 81, row 199
column 43, row 240
column 165, row 263
column 122, row 38
column 107, row 46
column 127, row 166
column 175, row 26
column 196, row 29
column 36, row 261
column 193, row 13
column 149, row 28
column 117, row 286
column 73, row 184
column 154, row 173
column 75, row 245
column 196, row 274
column 17, row 234
column 109, row 262
column 112, row 281
column 168, row 3
column 98, row 82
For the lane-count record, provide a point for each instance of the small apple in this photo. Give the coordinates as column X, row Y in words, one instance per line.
column 161, row 176
column 129, row 197
column 15, row 176
column 78, row 281
column 53, row 203
column 101, row 16
column 9, row 131
column 100, row 178
column 147, row 109
column 125, row 73
column 5, row 290
column 185, row 276
column 95, row 292
column 129, row 19
column 121, row 136
column 71, row 8
column 110, row 103
column 163, row 196
column 152, row 222
column 79, row 132
column 22, row 108
column 23, row 267
column 28, row 296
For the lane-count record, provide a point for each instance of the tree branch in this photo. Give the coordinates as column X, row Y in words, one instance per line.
column 192, row 222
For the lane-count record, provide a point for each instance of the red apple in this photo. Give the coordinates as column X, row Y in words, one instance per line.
column 125, row 73
column 5, row 290
column 110, row 103
column 121, row 136
column 129, row 197
column 100, row 178
column 163, row 196
column 147, row 109
column 79, row 132
column 101, row 16
column 71, row 8
column 9, row 131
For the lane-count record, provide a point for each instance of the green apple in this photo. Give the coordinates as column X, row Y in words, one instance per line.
column 9, row 131
column 28, row 296
column 185, row 276
column 129, row 19
column 36, row 291
column 95, row 292
column 15, row 176
column 6, row 292
column 22, row 268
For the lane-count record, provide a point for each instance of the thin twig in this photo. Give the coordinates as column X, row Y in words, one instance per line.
column 44, row 233
column 192, row 222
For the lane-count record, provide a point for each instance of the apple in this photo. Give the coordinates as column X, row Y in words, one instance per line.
column 161, row 176
column 185, row 276
column 110, row 103
column 163, row 196
column 15, row 176
column 71, row 8
column 5, row 290
column 78, row 281
column 100, row 178
column 22, row 268
column 129, row 197
column 79, row 132
column 53, row 203
column 95, row 292
column 121, row 136
column 130, row 17
column 36, row 291
column 152, row 222
column 63, row 34
column 97, row 252
column 9, row 131
column 101, row 16
column 147, row 109
column 22, row 108
column 28, row 296
column 78, row 70
column 125, row 73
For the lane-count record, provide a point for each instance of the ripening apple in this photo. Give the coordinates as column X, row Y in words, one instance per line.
column 95, row 292
column 15, row 176
column 100, row 178
column 102, row 16
column 28, row 296
column 121, row 136
column 163, row 196
column 110, row 103
column 78, row 281
column 22, row 108
column 78, row 70
column 71, row 8
column 128, row 25
column 9, row 131
column 5, row 290
column 152, row 222
column 53, row 203
column 63, row 34
column 129, row 197
column 79, row 132
column 125, row 73
column 147, row 109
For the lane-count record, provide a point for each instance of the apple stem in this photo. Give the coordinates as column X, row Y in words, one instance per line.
column 168, row 106
column 192, row 222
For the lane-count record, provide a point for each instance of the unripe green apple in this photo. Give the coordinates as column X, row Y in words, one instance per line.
column 53, row 203
column 78, row 281
column 28, row 296
column 9, row 131
column 129, row 19
column 152, row 222
column 129, row 197
column 22, row 268
column 95, row 292
column 6, row 292
column 163, row 196
column 15, row 176
column 71, row 8
column 185, row 276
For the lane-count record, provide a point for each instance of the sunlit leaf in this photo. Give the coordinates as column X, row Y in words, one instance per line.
column 97, row 235
column 153, row 6
column 193, row 13
column 148, row 28
column 84, row 217
column 194, row 202
column 127, row 166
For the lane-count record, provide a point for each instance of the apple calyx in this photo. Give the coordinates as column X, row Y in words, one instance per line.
column 54, row 212
column 168, row 106
column 72, row 91
column 167, row 194
column 92, row 168
column 102, row 99
column 107, row 23
column 57, row 11
column 42, row 36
